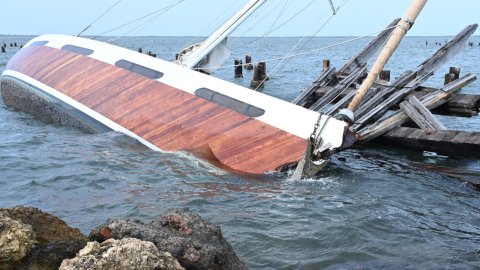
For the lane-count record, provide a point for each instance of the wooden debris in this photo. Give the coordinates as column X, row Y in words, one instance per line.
column 430, row 101
column 421, row 115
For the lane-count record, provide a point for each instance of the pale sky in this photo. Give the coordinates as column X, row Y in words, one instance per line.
column 189, row 18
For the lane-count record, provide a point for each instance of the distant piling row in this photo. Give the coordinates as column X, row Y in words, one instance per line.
column 12, row 44
column 149, row 53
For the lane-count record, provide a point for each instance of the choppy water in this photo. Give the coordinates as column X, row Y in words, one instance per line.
column 364, row 212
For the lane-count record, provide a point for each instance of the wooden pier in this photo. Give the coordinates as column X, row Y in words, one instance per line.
column 412, row 125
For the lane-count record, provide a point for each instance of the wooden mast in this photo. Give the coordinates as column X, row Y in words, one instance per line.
column 402, row 28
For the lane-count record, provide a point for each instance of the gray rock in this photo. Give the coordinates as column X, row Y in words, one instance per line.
column 128, row 253
column 17, row 240
column 49, row 256
column 196, row 243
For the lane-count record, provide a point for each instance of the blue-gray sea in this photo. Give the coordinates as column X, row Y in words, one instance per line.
column 362, row 213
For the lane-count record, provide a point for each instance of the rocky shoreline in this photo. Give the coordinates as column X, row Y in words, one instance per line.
column 178, row 239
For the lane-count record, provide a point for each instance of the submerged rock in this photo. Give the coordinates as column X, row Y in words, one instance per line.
column 49, row 256
column 47, row 227
column 16, row 241
column 128, row 253
column 195, row 242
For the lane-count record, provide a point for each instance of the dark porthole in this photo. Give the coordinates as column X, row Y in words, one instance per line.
column 39, row 43
column 231, row 103
column 77, row 49
column 144, row 71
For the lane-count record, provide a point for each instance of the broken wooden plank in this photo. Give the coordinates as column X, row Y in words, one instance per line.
column 430, row 101
column 421, row 115
column 367, row 52
column 400, row 82
column 383, row 107
column 320, row 81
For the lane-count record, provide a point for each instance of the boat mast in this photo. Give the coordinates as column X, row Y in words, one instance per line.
column 221, row 34
column 402, row 28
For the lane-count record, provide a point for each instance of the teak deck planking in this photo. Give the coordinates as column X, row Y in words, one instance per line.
column 169, row 118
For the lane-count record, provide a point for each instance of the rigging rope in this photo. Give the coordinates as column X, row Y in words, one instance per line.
column 303, row 44
column 98, row 18
column 312, row 51
column 278, row 26
column 128, row 23
column 147, row 21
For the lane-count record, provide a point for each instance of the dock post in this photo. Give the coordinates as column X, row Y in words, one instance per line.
column 140, row 50
column 149, row 53
column 3, row 49
column 248, row 62
column 176, row 56
column 385, row 75
column 21, row 46
column 257, row 81
column 326, row 64
column 11, row 44
column 15, row 44
column 238, row 69
column 456, row 71
column 449, row 78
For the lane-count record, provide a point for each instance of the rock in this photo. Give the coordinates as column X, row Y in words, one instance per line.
column 47, row 227
column 49, row 256
column 16, row 241
column 195, row 242
column 128, row 253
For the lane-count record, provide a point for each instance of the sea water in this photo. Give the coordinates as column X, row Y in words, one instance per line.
column 361, row 212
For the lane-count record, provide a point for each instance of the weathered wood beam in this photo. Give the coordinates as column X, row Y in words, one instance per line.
column 320, row 81
column 383, row 107
column 430, row 101
column 421, row 115
column 400, row 82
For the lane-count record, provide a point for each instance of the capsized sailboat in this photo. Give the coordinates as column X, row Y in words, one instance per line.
column 168, row 106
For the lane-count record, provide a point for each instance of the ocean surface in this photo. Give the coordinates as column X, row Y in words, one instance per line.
column 363, row 213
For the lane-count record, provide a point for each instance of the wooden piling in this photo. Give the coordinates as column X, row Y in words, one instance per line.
column 176, row 56
column 326, row 64
column 449, row 78
column 149, row 53
column 21, row 46
column 263, row 68
column 248, row 62
column 140, row 50
column 11, row 44
column 15, row 44
column 3, row 49
column 238, row 69
column 257, row 81
column 385, row 75
column 456, row 71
